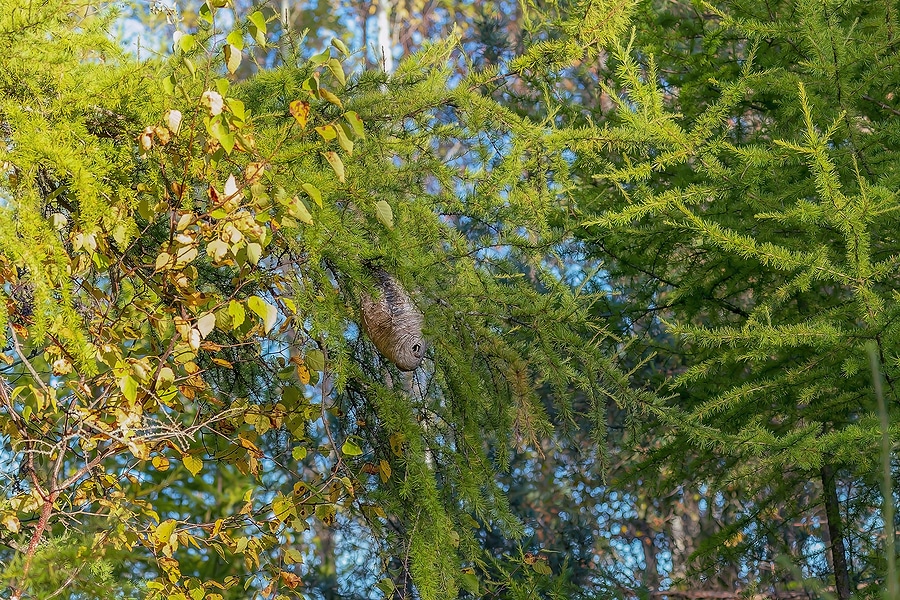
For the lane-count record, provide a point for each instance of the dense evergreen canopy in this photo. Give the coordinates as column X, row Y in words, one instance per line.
column 640, row 257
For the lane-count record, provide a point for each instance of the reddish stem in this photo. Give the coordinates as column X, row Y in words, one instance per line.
column 46, row 511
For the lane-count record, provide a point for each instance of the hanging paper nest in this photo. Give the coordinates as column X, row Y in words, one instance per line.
column 393, row 323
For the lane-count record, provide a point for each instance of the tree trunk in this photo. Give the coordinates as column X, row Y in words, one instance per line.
column 383, row 50
column 685, row 530
column 835, row 533
column 327, row 564
column 651, row 573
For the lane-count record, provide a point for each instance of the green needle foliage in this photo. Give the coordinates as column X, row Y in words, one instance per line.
column 189, row 399
column 744, row 194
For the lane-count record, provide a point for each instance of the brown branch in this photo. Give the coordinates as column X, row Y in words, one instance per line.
column 21, row 353
column 886, row 107
column 40, row 527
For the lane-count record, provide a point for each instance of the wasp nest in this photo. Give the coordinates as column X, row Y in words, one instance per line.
column 393, row 323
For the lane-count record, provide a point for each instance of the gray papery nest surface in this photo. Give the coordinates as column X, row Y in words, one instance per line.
column 393, row 323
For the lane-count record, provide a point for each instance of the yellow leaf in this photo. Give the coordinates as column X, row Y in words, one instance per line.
column 315, row 194
column 217, row 527
column 244, row 442
column 283, row 507
column 300, row 111
column 11, row 522
column 165, row 531
column 192, row 463
column 140, row 450
column 302, row 371
column 328, row 132
column 236, row 310
column 254, row 172
column 264, row 310
column 327, row 513
column 222, row 362
column 326, row 95
column 163, row 260
column 292, row 556
column 206, row 323
column 344, row 140
column 384, row 213
column 335, row 161
column 334, row 65
column 384, row 470
column 356, row 123
column 291, row 580
column 160, row 463
column 396, row 440
column 298, row 210
column 241, row 545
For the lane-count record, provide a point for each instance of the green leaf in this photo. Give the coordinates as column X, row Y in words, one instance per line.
column 264, row 311
column 541, row 568
column 349, row 448
column 344, row 141
column 320, row 58
column 299, row 211
column 236, row 39
column 283, row 507
column 168, row 84
column 311, row 85
column 299, row 453
column 328, row 96
column 165, row 379
column 356, row 124
column 186, row 42
column 315, row 360
column 236, row 311
column 469, row 582
column 237, row 108
column 220, row 132
column 254, row 252
column 206, row 13
column 129, row 387
column 341, row 46
column 222, row 86
column 387, row 587
column 337, row 69
column 313, row 193
column 327, row 132
column 384, row 214
column 336, row 164
column 258, row 20
column 292, row 556
column 227, row 142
